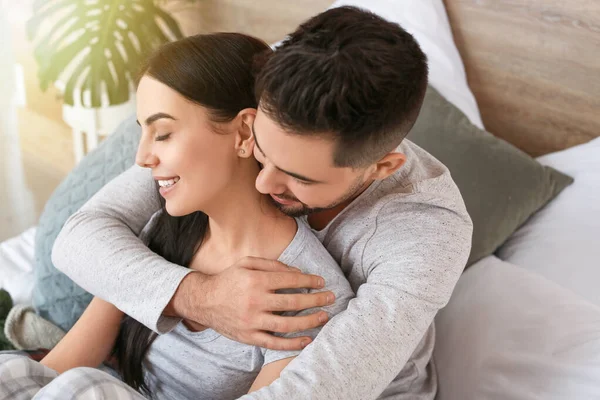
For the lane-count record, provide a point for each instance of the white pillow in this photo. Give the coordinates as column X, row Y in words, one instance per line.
column 16, row 266
column 510, row 334
column 428, row 22
column 562, row 241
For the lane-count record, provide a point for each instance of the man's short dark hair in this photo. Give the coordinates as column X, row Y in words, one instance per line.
column 350, row 75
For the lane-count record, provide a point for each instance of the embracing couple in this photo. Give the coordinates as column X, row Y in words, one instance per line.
column 278, row 238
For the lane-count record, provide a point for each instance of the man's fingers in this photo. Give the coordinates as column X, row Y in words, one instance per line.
column 272, row 342
column 265, row 264
column 298, row 301
column 279, row 324
column 294, row 280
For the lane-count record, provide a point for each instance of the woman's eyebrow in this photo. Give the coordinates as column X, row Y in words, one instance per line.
column 155, row 117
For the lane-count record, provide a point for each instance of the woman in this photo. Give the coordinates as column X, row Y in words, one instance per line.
column 196, row 105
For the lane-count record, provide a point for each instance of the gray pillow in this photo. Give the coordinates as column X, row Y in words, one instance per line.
column 55, row 296
column 501, row 185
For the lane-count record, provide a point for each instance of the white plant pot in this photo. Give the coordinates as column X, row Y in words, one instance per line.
column 88, row 124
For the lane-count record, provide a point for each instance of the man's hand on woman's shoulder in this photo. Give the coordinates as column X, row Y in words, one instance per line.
column 240, row 302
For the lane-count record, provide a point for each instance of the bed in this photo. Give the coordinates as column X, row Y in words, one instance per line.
column 523, row 323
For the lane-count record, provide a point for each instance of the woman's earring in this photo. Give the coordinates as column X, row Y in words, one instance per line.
column 242, row 151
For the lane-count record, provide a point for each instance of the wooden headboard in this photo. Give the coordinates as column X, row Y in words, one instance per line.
column 534, row 67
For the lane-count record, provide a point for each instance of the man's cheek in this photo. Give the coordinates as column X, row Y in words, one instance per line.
column 305, row 196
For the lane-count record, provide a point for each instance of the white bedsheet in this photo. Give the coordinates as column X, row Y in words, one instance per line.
column 16, row 266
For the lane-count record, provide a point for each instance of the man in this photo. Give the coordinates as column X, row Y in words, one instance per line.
column 336, row 101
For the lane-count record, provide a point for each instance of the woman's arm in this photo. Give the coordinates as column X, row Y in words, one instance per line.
column 90, row 341
column 269, row 373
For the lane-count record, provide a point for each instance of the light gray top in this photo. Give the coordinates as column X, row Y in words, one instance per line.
column 204, row 365
column 402, row 244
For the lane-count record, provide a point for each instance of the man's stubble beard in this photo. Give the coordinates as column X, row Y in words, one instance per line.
column 302, row 210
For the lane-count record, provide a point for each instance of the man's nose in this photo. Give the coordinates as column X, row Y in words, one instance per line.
column 269, row 181
column 145, row 156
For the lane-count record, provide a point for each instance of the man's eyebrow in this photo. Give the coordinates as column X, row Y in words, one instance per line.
column 155, row 117
column 292, row 174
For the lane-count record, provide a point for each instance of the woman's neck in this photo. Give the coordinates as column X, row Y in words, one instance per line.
column 242, row 222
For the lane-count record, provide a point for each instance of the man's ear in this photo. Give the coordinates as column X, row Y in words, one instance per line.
column 244, row 140
column 387, row 165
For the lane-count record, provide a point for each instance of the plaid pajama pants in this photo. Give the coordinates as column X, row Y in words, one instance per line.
column 22, row 378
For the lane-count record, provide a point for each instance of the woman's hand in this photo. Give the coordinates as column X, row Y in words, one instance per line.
column 240, row 302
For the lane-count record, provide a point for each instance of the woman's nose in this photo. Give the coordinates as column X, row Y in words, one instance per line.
column 145, row 157
column 268, row 181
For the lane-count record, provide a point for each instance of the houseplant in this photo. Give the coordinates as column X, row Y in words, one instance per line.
column 96, row 46
column 91, row 51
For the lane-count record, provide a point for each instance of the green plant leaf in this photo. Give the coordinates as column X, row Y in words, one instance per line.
column 96, row 45
column 44, row 9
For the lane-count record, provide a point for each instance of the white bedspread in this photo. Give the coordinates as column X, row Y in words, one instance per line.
column 16, row 266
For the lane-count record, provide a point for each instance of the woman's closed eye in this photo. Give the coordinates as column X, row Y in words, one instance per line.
column 161, row 138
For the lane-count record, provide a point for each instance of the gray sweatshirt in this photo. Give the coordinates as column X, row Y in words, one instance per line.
column 402, row 244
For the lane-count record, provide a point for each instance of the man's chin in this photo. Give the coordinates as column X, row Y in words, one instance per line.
column 296, row 210
column 292, row 211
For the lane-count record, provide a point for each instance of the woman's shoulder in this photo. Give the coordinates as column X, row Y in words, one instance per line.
column 307, row 253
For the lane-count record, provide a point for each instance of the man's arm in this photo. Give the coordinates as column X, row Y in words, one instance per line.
column 413, row 261
column 100, row 250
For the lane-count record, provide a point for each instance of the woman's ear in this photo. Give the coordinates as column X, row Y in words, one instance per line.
column 244, row 143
